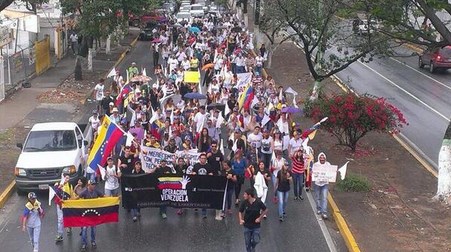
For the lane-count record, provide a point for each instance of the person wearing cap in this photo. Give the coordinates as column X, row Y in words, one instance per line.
column 115, row 117
column 31, row 220
column 91, row 192
column 136, row 211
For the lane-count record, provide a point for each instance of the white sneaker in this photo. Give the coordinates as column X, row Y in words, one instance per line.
column 219, row 218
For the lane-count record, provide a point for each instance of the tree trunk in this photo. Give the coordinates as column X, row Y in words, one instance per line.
column 269, row 58
column 444, row 169
column 316, row 88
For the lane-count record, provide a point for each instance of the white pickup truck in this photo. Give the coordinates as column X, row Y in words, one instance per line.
column 50, row 150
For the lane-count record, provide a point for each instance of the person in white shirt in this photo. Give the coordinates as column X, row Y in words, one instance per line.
column 255, row 138
column 74, row 42
column 321, row 188
column 94, row 122
column 295, row 143
column 266, row 148
column 99, row 93
column 112, row 175
column 185, row 64
column 240, row 64
column 199, row 119
column 173, row 63
column 259, row 65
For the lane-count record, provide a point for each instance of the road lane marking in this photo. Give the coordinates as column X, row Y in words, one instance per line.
column 425, row 75
column 405, row 91
column 322, row 225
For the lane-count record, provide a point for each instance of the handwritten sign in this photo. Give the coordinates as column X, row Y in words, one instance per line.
column 324, row 173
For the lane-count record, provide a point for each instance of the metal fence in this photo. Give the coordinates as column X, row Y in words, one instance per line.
column 16, row 68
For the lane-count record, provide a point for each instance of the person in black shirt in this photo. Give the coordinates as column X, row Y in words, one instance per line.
column 203, row 168
column 161, row 170
column 215, row 158
column 126, row 161
column 181, row 167
column 231, row 180
column 250, row 215
column 136, row 212
column 283, row 188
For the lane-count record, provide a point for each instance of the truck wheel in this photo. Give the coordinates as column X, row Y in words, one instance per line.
column 20, row 192
column 431, row 67
column 420, row 63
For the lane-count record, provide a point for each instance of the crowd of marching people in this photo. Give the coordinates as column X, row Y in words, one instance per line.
column 235, row 116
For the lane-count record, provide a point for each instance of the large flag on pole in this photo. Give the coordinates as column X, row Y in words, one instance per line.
column 108, row 136
column 90, row 212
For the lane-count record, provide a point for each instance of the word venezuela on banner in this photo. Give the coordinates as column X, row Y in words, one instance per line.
column 90, row 212
column 188, row 191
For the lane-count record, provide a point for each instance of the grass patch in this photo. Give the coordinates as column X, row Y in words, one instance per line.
column 7, row 136
column 353, row 183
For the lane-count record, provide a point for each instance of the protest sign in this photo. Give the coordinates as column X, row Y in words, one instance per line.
column 188, row 191
column 324, row 172
column 191, row 76
column 151, row 157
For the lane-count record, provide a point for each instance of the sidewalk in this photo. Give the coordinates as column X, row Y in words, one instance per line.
column 31, row 105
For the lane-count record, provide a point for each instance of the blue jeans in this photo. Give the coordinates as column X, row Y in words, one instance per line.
column 229, row 195
column 84, row 235
column 135, row 212
column 298, row 183
column 33, row 233
column 321, row 198
column 283, row 198
column 251, row 238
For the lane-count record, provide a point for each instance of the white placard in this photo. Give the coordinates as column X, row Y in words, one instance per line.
column 322, row 173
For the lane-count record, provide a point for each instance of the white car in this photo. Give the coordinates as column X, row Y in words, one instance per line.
column 50, row 149
column 197, row 10
column 183, row 16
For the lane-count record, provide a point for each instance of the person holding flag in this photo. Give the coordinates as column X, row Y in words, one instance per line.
column 90, row 193
column 63, row 191
column 31, row 220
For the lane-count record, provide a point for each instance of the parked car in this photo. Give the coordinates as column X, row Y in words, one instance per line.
column 436, row 58
column 137, row 21
column 146, row 33
column 50, row 150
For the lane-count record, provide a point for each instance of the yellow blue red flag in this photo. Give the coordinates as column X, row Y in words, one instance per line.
column 108, row 136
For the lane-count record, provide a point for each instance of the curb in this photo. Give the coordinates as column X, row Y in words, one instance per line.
column 342, row 226
column 118, row 61
column 5, row 194
column 345, row 232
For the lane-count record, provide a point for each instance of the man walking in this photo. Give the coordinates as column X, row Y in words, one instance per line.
column 90, row 193
column 250, row 215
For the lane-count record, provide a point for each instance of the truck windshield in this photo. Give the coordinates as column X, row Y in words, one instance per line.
column 51, row 140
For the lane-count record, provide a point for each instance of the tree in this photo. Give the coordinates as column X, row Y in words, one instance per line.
column 5, row 3
column 328, row 43
column 351, row 117
column 274, row 30
column 444, row 169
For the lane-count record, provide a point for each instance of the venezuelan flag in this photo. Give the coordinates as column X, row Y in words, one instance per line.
column 124, row 93
column 246, row 97
column 90, row 212
column 108, row 136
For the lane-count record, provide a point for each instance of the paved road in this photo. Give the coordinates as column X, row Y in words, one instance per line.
column 422, row 97
column 302, row 230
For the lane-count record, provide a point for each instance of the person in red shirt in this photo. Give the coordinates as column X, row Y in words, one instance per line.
column 297, row 170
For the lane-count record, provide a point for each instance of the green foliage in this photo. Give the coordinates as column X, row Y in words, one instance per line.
column 99, row 18
column 351, row 117
column 353, row 183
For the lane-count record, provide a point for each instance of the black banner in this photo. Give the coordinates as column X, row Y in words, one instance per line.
column 150, row 190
